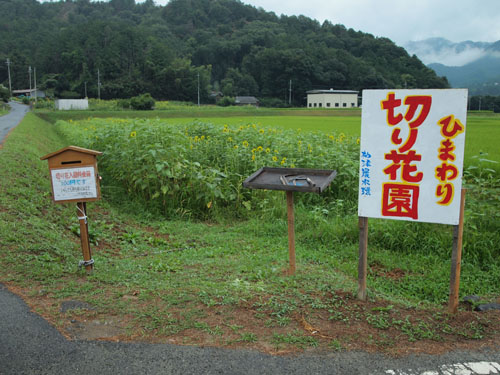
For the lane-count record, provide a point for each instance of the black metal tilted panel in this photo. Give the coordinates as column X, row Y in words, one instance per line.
column 291, row 179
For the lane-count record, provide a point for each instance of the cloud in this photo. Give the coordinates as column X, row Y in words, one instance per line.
column 401, row 21
column 449, row 56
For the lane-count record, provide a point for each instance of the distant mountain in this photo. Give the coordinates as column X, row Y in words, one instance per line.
column 474, row 65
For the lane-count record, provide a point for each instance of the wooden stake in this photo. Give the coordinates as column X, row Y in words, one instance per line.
column 456, row 258
column 84, row 235
column 363, row 257
column 291, row 231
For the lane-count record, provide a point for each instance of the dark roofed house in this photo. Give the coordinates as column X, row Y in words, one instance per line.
column 216, row 96
column 246, row 100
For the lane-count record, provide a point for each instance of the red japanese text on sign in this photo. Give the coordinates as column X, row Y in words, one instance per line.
column 401, row 200
column 446, row 172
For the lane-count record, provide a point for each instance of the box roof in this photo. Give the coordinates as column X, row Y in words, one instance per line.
column 71, row 148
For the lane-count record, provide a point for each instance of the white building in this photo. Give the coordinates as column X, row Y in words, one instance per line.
column 330, row 99
column 69, row 104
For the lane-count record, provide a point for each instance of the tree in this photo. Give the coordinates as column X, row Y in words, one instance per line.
column 141, row 47
column 4, row 94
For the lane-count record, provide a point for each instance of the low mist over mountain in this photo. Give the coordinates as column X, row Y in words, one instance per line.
column 475, row 65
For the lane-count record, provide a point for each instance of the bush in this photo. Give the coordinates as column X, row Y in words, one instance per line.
column 226, row 101
column 124, row 103
column 273, row 103
column 4, row 94
column 44, row 103
column 142, row 102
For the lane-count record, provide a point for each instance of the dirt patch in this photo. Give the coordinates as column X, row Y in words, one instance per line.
column 105, row 329
column 343, row 323
column 381, row 271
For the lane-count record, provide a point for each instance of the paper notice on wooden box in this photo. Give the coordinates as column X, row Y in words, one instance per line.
column 74, row 183
column 411, row 156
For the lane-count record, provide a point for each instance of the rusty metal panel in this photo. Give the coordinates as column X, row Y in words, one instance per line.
column 291, row 179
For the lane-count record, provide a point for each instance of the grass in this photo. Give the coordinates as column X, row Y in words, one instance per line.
column 4, row 109
column 482, row 140
column 223, row 283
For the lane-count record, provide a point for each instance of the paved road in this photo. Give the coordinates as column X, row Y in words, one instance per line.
column 29, row 345
column 12, row 119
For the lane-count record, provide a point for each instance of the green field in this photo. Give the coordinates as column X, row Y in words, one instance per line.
column 166, row 275
column 481, row 145
column 482, row 135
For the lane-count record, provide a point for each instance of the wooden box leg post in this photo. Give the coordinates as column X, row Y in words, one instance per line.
column 84, row 235
column 362, row 262
column 291, row 231
column 456, row 258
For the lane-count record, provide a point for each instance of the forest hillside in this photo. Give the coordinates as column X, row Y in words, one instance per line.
column 225, row 45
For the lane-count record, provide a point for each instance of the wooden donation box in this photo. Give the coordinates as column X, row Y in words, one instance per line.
column 73, row 173
column 74, row 178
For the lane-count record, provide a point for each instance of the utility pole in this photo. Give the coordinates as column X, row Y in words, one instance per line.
column 98, row 84
column 198, row 89
column 29, row 71
column 10, row 84
column 36, row 95
column 479, row 103
column 290, row 94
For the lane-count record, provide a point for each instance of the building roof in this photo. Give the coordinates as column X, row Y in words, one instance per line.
column 246, row 100
column 25, row 90
column 332, row 91
column 39, row 93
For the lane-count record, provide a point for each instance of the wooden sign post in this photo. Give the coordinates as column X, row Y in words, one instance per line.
column 74, row 178
column 291, row 231
column 456, row 258
column 363, row 257
column 411, row 165
column 290, row 180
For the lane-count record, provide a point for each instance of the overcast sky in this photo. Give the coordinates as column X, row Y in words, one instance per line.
column 399, row 20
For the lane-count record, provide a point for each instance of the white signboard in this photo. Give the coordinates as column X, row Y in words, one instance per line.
column 412, row 152
column 74, row 183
